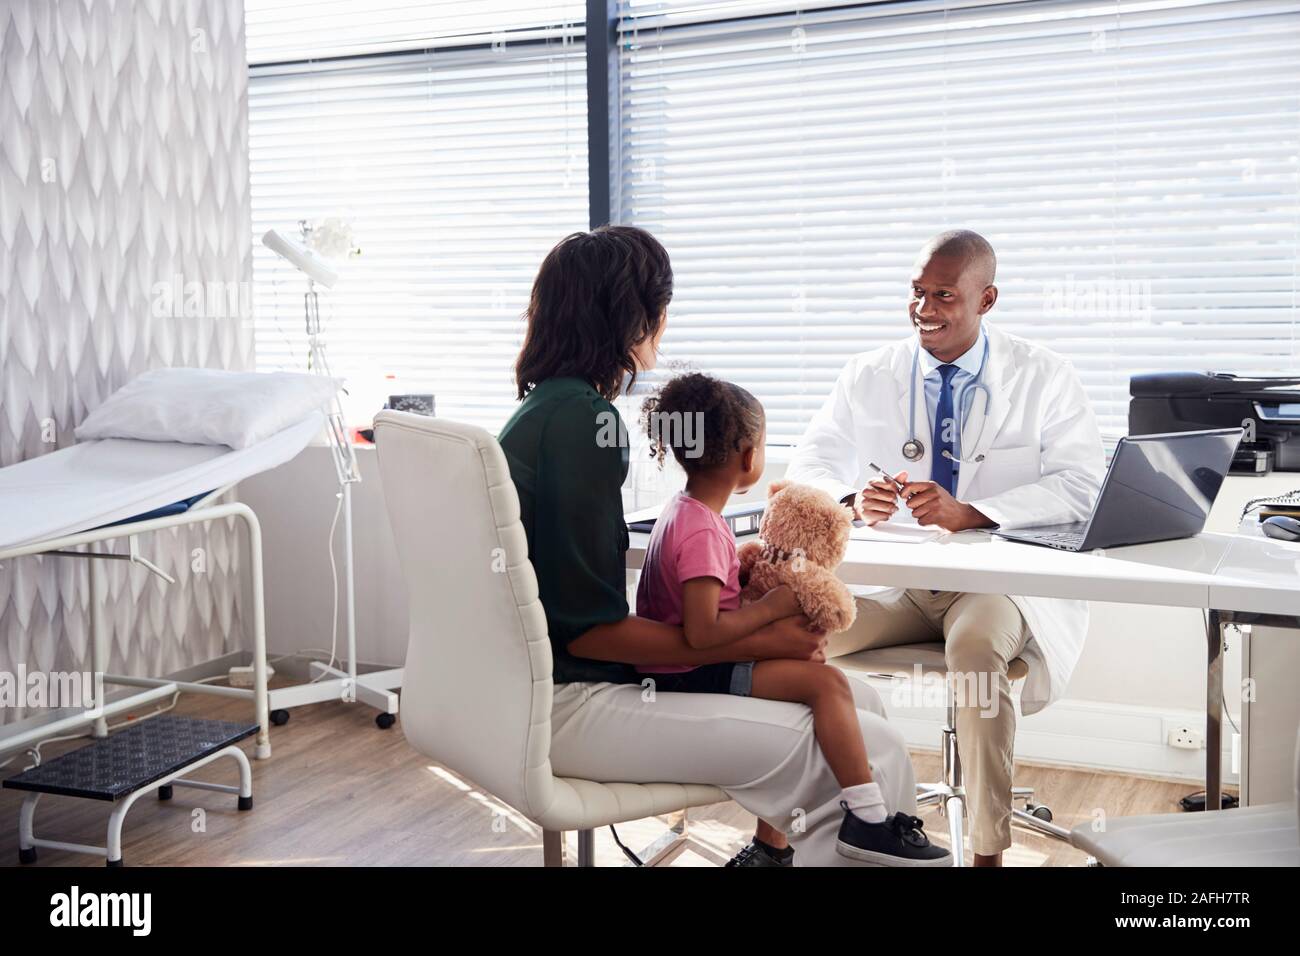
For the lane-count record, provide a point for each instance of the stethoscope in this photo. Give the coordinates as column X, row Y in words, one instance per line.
column 913, row 449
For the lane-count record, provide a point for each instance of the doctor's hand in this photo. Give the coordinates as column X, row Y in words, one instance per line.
column 878, row 501
column 930, row 503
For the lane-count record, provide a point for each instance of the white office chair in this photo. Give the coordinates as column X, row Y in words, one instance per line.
column 949, row 794
column 477, row 689
column 1267, row 835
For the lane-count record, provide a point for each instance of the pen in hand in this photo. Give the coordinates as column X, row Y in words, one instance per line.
column 874, row 467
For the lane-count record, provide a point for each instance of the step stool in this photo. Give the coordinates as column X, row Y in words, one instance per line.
column 155, row 754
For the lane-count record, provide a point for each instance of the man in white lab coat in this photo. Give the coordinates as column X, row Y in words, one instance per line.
column 981, row 428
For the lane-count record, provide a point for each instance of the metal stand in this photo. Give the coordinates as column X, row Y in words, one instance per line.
column 334, row 683
column 25, row 733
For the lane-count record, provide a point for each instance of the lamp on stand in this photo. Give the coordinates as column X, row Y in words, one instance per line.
column 330, row 682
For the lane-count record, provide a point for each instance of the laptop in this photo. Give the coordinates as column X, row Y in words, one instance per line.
column 1158, row 488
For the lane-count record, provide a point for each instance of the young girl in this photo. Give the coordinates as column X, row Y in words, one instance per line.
column 691, row 578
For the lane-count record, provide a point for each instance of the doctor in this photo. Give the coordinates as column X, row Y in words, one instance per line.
column 982, row 429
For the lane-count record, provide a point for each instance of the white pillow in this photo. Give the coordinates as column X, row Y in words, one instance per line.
column 202, row 406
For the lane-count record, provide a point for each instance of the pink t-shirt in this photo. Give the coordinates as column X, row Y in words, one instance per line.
column 689, row 541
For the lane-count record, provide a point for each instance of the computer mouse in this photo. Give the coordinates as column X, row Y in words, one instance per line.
column 1282, row 527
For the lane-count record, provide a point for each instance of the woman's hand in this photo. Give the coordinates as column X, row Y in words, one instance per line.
column 781, row 601
column 637, row 640
column 790, row 638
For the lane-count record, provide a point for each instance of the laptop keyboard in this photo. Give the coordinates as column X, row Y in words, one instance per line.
column 1069, row 539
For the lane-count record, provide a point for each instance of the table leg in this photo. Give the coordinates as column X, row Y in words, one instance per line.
column 99, row 649
column 1214, row 711
column 261, row 701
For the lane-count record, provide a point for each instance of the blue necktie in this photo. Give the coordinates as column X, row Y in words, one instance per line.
column 943, row 470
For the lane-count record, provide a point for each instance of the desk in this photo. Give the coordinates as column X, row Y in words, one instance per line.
column 1238, row 579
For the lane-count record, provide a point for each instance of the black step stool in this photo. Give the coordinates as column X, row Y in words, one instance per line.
column 153, row 755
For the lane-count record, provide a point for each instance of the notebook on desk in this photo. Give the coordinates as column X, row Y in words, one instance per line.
column 897, row 532
column 1287, row 505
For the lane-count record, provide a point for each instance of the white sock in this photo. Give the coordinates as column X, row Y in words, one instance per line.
column 866, row 802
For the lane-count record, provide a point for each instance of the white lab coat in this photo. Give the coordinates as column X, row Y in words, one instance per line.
column 1043, row 463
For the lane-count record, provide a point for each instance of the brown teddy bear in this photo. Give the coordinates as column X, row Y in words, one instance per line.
column 804, row 533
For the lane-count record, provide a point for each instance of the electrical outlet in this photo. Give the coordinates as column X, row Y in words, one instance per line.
column 1183, row 737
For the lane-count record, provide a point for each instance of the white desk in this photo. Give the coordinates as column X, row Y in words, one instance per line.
column 1236, row 578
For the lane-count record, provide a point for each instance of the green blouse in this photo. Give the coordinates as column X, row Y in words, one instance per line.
column 567, row 452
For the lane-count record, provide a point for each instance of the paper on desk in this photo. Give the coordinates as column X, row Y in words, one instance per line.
column 897, row 533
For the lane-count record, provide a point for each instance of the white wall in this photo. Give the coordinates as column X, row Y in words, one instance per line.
column 295, row 504
column 1140, row 667
column 123, row 164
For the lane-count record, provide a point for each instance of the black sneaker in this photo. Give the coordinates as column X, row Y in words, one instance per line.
column 899, row 841
column 756, row 855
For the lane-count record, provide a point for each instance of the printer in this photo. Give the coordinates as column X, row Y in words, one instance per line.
column 1267, row 407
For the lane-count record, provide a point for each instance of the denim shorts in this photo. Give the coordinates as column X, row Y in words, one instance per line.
column 734, row 679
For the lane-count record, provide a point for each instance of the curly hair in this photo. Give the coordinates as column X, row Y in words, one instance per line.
column 597, row 296
column 702, row 420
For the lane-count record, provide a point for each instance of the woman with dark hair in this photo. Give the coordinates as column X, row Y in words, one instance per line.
column 595, row 318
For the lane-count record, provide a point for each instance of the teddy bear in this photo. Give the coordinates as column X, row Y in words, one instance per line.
column 804, row 533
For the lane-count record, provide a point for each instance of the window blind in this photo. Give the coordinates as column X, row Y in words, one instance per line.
column 292, row 30
column 452, row 137
column 1136, row 165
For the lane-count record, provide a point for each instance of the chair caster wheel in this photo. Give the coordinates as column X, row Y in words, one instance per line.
column 165, row 792
column 1042, row 813
column 115, row 863
column 384, row 721
column 28, row 855
column 279, row 717
column 245, row 803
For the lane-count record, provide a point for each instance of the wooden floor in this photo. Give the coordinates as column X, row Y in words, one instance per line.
column 340, row 791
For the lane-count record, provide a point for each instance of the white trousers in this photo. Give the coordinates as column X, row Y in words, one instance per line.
column 761, row 752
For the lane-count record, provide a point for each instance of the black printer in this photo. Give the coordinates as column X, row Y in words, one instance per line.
column 1268, row 407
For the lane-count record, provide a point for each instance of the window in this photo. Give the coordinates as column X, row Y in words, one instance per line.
column 1135, row 164
column 453, row 137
